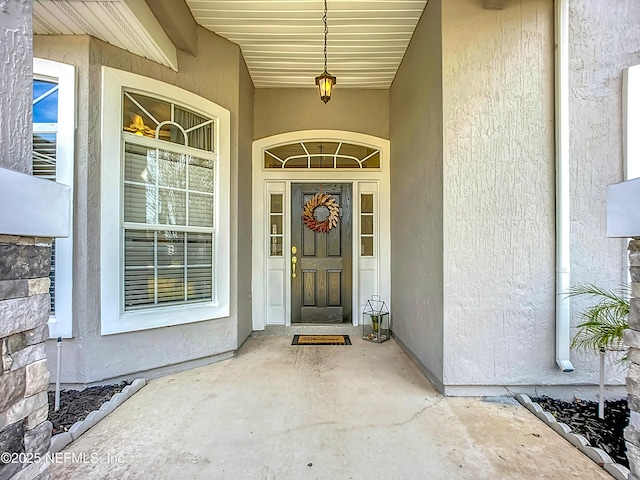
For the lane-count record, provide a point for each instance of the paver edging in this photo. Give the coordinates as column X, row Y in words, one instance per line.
column 61, row 440
column 599, row 456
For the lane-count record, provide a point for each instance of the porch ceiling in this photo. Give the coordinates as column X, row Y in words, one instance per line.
column 282, row 41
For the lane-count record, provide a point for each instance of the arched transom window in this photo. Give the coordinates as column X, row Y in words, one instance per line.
column 321, row 154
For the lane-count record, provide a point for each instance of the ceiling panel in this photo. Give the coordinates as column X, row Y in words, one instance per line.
column 127, row 24
column 282, row 40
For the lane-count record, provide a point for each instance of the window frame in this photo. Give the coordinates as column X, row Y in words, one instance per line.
column 61, row 322
column 631, row 122
column 114, row 319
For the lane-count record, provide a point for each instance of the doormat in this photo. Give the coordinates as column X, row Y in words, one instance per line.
column 321, row 340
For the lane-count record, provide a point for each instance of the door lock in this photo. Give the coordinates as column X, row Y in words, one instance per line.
column 294, row 261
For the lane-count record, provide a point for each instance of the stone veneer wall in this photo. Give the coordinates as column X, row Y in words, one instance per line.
column 632, row 340
column 24, row 311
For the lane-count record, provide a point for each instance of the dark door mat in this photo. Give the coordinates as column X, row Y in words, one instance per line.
column 321, row 340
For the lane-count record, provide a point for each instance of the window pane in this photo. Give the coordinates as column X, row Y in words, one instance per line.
column 202, row 134
column 327, row 148
column 276, row 246
column 170, row 285
column 347, row 163
column 366, row 200
column 45, row 110
column 323, row 161
column 366, row 246
column 143, row 118
column 171, row 169
column 201, row 174
column 138, row 248
column 199, row 251
column 44, row 155
column 170, row 248
column 199, row 285
column 200, row 210
column 170, row 132
column 373, row 161
column 139, row 204
column 276, row 203
column 138, row 288
column 140, row 164
column 296, row 163
column 276, row 224
column 171, row 207
column 366, row 224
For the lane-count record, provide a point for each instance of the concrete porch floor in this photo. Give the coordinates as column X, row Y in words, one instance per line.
column 277, row 411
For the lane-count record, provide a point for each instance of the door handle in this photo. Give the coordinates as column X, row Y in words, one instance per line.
column 294, row 261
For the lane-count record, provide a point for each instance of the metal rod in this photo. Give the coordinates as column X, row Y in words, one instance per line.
column 57, row 396
column 326, row 32
column 601, row 399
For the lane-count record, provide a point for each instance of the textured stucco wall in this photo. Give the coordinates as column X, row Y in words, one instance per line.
column 282, row 110
column 15, row 85
column 213, row 75
column 245, row 140
column 603, row 40
column 498, row 193
column 416, row 195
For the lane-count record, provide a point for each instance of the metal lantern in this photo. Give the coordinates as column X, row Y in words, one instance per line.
column 375, row 324
column 325, row 81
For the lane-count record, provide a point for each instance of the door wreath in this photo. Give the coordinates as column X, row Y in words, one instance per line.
column 321, row 200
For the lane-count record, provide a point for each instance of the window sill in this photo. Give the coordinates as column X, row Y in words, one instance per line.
column 159, row 317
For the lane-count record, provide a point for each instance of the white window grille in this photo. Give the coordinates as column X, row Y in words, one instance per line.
column 321, row 154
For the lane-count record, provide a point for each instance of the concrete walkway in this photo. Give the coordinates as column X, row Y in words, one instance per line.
column 278, row 411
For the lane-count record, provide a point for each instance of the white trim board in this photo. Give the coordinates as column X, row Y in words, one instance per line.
column 61, row 322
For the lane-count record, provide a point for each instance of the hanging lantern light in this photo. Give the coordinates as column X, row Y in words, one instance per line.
column 325, row 80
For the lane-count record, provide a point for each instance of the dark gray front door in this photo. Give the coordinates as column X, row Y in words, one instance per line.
column 321, row 289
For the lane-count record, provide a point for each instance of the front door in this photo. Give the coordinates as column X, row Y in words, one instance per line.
column 321, row 269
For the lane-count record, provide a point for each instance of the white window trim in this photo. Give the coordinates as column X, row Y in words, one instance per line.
column 631, row 113
column 61, row 323
column 113, row 318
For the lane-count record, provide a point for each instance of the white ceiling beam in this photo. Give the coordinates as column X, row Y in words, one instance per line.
column 177, row 21
column 153, row 33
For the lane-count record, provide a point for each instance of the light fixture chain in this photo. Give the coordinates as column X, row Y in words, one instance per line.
column 326, row 32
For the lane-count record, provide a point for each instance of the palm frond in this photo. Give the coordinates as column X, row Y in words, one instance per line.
column 604, row 322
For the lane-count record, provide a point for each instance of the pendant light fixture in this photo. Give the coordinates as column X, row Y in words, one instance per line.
column 325, row 81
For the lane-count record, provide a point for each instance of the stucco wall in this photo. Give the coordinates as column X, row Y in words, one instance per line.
column 213, row 75
column 16, row 85
column 602, row 41
column 245, row 140
column 498, row 193
column 282, row 110
column 416, row 195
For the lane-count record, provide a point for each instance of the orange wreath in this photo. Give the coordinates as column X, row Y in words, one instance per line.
column 321, row 200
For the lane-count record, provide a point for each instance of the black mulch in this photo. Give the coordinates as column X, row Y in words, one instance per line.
column 582, row 417
column 75, row 405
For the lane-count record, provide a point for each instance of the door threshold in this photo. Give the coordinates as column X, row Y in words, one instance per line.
column 310, row 329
